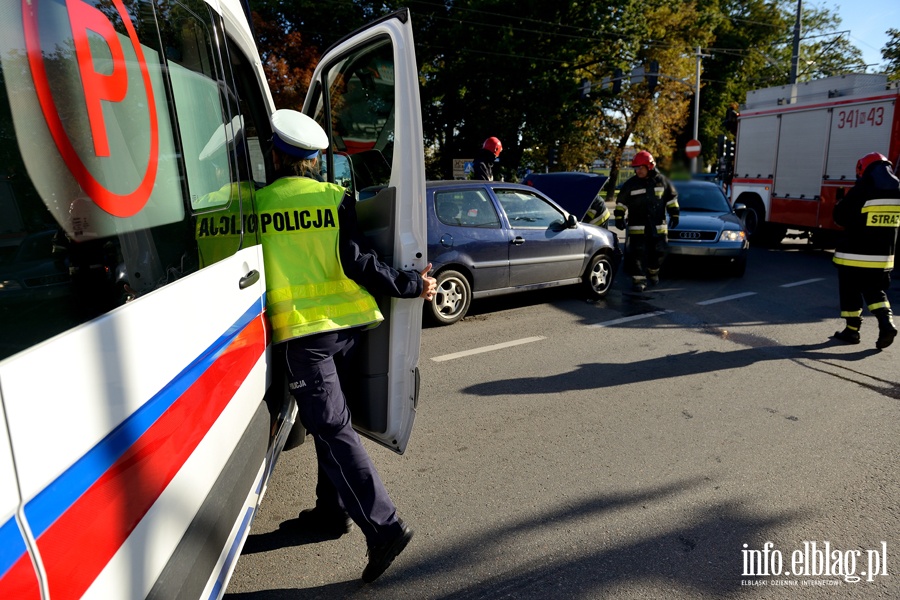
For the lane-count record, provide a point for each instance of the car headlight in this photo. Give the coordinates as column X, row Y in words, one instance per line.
column 732, row 236
column 10, row 285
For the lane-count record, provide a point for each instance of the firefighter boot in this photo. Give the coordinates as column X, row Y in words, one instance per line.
column 639, row 284
column 850, row 333
column 886, row 329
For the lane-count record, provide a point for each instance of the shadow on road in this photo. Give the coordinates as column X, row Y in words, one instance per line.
column 693, row 362
column 703, row 555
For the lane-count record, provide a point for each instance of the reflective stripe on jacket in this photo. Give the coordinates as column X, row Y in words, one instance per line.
column 306, row 289
column 647, row 201
column 871, row 218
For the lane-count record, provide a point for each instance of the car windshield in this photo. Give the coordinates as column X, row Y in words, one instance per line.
column 702, row 199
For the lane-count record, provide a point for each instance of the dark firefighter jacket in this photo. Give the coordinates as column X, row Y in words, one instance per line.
column 647, row 201
column 870, row 215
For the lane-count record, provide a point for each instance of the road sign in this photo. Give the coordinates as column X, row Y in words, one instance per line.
column 692, row 149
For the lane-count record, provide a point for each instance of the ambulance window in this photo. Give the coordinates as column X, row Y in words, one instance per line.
column 99, row 176
column 360, row 112
column 198, row 88
column 210, row 127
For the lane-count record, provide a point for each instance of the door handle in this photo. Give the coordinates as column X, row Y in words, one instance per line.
column 249, row 279
column 518, row 240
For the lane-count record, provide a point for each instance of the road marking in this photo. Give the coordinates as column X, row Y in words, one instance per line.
column 631, row 318
column 726, row 298
column 488, row 348
column 804, row 282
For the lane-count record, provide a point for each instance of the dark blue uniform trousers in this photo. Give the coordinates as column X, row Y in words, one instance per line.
column 347, row 479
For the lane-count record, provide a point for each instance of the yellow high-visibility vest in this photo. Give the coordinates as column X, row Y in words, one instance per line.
column 306, row 289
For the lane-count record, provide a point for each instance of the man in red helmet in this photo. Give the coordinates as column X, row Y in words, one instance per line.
column 646, row 198
column 870, row 216
column 483, row 167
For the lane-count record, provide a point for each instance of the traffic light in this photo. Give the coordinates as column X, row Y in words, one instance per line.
column 552, row 156
column 731, row 121
column 617, row 81
column 653, row 76
column 728, row 159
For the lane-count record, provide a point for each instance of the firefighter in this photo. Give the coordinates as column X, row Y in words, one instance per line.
column 870, row 215
column 316, row 266
column 646, row 197
column 483, row 167
column 598, row 214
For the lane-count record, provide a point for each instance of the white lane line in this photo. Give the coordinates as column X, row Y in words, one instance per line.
column 726, row 298
column 488, row 348
column 631, row 318
column 804, row 282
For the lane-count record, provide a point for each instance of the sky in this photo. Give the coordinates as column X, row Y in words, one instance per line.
column 867, row 20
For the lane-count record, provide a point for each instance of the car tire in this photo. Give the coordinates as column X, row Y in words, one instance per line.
column 598, row 277
column 452, row 299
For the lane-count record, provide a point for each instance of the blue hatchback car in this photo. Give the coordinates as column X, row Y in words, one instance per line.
column 487, row 238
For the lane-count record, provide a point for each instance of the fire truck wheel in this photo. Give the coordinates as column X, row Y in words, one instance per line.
column 753, row 216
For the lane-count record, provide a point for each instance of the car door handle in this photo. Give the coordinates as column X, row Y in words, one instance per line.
column 249, row 279
column 518, row 240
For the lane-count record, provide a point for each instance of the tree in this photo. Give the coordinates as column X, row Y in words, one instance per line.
column 891, row 53
column 510, row 71
column 652, row 118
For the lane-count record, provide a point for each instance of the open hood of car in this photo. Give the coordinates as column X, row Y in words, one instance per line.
column 574, row 192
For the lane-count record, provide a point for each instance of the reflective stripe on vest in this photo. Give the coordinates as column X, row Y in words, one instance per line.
column 882, row 212
column 306, row 289
column 866, row 261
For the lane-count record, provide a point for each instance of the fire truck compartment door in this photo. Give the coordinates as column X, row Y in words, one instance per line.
column 803, row 134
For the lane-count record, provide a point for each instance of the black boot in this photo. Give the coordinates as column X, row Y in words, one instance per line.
column 847, row 335
column 886, row 329
column 850, row 333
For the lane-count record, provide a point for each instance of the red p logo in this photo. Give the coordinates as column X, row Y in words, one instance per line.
column 98, row 88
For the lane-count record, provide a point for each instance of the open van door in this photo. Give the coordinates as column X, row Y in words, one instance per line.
column 365, row 94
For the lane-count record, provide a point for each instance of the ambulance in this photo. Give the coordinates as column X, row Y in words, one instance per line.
column 142, row 410
column 797, row 147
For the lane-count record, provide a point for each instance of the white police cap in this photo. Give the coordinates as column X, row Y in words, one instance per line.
column 297, row 134
column 226, row 134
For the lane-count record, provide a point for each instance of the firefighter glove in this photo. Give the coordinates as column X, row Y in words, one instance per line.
column 620, row 223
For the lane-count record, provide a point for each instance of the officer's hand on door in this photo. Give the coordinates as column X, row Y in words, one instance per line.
column 430, row 286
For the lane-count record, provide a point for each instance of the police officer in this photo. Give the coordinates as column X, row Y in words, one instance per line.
column 870, row 215
column 483, row 167
column 319, row 274
column 646, row 197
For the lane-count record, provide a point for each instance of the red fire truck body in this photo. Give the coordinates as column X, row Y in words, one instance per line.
column 798, row 144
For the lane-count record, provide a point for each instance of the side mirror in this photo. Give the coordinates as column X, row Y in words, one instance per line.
column 571, row 222
column 343, row 172
column 739, row 207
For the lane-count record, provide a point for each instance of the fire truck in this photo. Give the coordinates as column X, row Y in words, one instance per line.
column 797, row 145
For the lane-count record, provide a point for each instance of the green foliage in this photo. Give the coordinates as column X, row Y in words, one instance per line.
column 891, row 53
column 514, row 69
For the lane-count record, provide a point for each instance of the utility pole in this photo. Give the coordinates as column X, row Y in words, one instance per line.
column 699, row 56
column 795, row 54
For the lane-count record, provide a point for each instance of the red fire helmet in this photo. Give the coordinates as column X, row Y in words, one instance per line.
column 872, row 157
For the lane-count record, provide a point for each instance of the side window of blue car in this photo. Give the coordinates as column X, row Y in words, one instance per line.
column 468, row 208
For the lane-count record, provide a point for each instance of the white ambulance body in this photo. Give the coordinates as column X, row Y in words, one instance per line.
column 798, row 144
column 141, row 407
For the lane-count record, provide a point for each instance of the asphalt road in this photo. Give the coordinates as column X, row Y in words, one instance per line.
column 645, row 446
